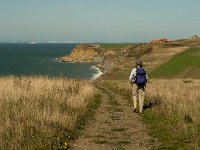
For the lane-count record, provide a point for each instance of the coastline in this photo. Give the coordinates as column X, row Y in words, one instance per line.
column 99, row 70
column 96, row 75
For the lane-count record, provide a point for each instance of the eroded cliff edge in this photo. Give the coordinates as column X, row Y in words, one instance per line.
column 104, row 58
column 112, row 59
column 84, row 53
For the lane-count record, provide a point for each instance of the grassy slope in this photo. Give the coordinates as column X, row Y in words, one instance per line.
column 184, row 65
column 173, row 130
column 119, row 72
column 123, row 66
column 116, row 45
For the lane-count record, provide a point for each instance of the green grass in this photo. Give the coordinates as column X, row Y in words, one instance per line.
column 117, row 45
column 169, row 131
column 184, row 65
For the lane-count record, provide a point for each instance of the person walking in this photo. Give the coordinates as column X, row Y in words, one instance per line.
column 138, row 79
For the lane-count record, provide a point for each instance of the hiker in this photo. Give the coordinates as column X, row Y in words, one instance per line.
column 138, row 79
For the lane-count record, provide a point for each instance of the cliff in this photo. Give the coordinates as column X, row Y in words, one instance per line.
column 92, row 53
column 83, row 53
column 110, row 58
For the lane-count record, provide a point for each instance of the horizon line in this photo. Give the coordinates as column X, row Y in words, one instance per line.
column 58, row 42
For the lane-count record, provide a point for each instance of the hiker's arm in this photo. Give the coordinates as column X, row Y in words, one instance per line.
column 147, row 77
column 132, row 76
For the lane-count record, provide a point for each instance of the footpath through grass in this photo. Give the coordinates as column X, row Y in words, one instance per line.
column 172, row 130
column 184, row 65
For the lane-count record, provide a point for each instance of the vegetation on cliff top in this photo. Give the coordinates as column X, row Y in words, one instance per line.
column 184, row 65
column 117, row 45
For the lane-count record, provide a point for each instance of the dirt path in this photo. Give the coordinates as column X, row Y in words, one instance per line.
column 114, row 127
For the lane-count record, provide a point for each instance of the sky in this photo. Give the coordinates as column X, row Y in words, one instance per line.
column 98, row 20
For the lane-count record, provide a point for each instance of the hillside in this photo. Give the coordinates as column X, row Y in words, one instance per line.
column 152, row 55
column 171, row 105
column 184, row 65
column 117, row 60
column 171, row 118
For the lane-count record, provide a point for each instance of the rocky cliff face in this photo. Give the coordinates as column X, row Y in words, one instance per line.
column 88, row 53
column 83, row 54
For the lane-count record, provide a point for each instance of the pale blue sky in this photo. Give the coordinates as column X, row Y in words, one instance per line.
column 98, row 20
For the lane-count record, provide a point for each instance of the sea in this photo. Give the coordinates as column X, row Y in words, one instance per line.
column 41, row 59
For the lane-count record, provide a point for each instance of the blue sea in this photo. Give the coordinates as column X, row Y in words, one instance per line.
column 41, row 59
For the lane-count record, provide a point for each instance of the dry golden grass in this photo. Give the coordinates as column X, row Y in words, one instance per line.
column 35, row 109
column 177, row 95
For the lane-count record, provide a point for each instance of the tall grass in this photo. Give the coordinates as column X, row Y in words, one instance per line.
column 36, row 111
column 174, row 113
column 179, row 96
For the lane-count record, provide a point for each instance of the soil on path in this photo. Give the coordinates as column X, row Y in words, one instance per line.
column 114, row 127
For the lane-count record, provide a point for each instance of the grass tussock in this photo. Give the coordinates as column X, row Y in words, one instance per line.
column 40, row 113
column 173, row 110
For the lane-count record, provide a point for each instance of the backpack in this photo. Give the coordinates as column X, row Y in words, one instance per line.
column 141, row 78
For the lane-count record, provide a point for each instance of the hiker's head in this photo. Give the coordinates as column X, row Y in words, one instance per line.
column 139, row 63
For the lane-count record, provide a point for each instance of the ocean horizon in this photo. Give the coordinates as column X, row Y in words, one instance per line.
column 40, row 59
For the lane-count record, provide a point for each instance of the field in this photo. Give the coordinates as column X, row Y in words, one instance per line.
column 183, row 65
column 171, row 110
column 117, row 45
column 42, row 113
column 46, row 113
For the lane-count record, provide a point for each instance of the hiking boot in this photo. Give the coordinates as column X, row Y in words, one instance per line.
column 135, row 110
